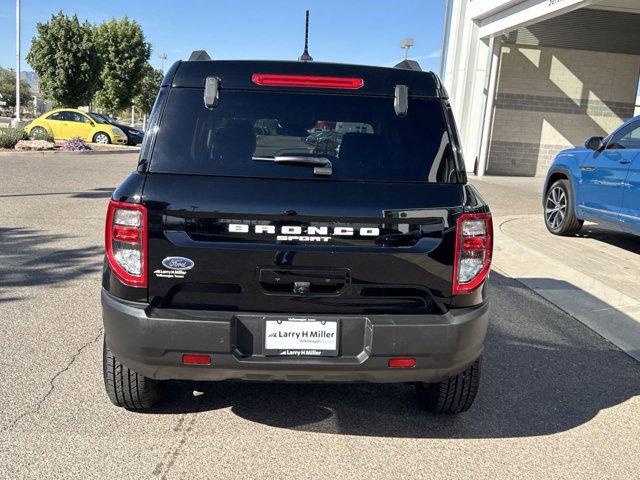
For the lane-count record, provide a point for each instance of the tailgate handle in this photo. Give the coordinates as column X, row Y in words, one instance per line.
column 303, row 282
column 301, row 288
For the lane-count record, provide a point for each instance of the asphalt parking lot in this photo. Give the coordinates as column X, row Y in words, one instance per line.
column 556, row 399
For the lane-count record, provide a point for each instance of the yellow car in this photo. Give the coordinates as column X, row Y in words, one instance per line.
column 64, row 123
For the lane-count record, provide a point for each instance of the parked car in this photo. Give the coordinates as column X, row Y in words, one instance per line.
column 65, row 123
column 599, row 182
column 228, row 259
column 323, row 141
column 134, row 135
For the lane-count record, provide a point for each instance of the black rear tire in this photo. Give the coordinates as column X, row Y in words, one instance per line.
column 125, row 387
column 559, row 212
column 453, row 395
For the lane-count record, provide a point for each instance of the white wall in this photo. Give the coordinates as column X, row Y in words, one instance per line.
column 549, row 99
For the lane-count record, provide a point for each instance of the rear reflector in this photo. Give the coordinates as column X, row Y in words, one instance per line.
column 402, row 362
column 306, row 81
column 190, row 359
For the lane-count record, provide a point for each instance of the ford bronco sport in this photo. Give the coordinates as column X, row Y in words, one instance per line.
column 298, row 222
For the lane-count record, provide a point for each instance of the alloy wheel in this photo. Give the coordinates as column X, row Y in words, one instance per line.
column 556, row 207
column 102, row 138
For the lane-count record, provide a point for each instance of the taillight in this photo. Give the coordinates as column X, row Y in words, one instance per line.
column 474, row 247
column 306, row 81
column 126, row 242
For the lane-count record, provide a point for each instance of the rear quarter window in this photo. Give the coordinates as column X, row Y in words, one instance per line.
column 153, row 126
column 361, row 136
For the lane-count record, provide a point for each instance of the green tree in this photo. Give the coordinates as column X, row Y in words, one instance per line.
column 148, row 89
column 64, row 56
column 8, row 89
column 123, row 53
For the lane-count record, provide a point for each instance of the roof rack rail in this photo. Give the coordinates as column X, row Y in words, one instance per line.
column 409, row 65
column 199, row 56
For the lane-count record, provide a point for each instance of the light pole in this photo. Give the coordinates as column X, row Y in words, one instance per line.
column 162, row 56
column 407, row 43
column 17, row 62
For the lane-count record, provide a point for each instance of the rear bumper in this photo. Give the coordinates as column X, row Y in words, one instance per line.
column 153, row 342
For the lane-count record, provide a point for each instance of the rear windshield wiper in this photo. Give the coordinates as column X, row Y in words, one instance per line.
column 322, row 165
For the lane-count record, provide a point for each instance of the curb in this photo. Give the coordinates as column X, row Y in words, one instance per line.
column 605, row 310
column 54, row 153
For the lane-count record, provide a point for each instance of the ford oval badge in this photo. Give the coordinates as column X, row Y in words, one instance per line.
column 178, row 263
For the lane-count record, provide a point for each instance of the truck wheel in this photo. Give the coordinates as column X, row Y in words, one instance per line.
column 126, row 388
column 453, row 395
column 559, row 214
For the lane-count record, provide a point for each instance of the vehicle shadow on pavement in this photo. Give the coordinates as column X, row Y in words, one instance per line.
column 30, row 257
column 622, row 240
column 543, row 373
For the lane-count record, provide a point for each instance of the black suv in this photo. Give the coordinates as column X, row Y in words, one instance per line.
column 297, row 221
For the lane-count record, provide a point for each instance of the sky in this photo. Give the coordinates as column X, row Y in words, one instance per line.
column 346, row 31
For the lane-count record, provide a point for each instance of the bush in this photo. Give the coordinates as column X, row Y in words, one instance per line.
column 75, row 144
column 10, row 136
column 41, row 134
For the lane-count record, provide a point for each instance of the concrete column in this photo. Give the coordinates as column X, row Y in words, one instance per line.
column 454, row 46
column 476, row 98
column 469, row 58
column 494, row 68
column 445, row 38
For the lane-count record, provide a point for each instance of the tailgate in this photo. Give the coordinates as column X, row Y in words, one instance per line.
column 295, row 246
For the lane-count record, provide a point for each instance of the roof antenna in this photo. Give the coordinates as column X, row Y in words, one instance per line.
column 305, row 57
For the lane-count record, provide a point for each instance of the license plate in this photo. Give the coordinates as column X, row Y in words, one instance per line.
column 301, row 336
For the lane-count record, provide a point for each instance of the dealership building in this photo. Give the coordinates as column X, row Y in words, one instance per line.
column 528, row 78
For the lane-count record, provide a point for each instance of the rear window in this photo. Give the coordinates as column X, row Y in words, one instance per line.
column 249, row 132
